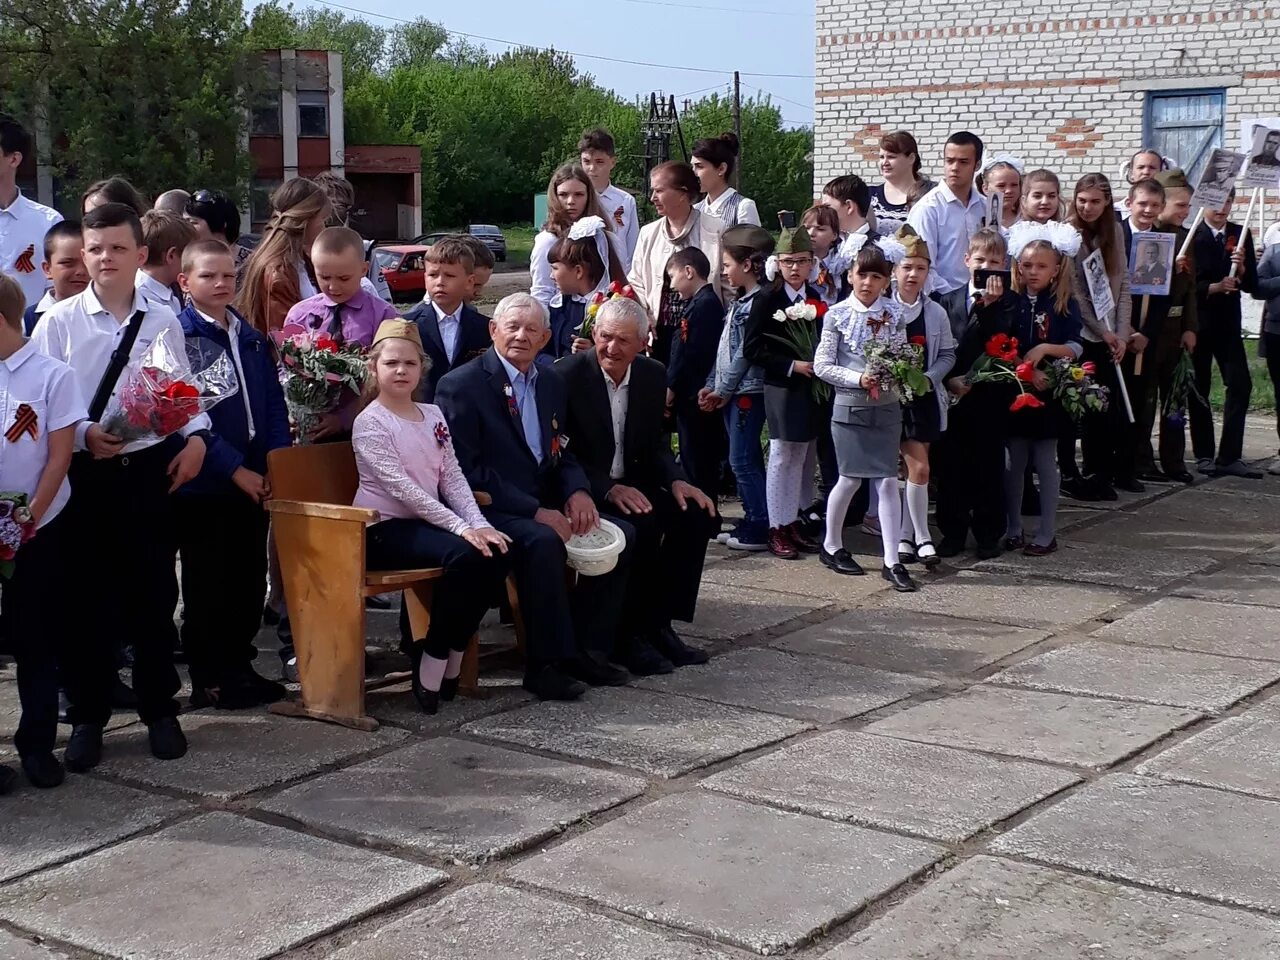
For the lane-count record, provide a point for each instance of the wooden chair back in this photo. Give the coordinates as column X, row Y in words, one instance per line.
column 315, row 473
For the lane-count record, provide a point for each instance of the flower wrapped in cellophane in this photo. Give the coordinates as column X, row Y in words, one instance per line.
column 17, row 526
column 174, row 381
column 317, row 369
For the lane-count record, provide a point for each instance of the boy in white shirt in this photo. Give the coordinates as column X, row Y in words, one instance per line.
column 23, row 222
column 40, row 404
column 165, row 237
column 597, row 156
column 123, row 546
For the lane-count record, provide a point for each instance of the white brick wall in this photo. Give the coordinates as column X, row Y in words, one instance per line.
column 1072, row 70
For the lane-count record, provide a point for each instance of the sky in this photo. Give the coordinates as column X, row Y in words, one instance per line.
column 756, row 37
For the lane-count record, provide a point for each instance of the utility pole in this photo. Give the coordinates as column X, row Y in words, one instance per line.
column 737, row 123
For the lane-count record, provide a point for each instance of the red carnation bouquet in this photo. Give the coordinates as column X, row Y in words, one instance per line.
column 17, row 526
column 167, row 387
column 317, row 372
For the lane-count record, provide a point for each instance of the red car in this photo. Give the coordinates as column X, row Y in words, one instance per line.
column 404, row 270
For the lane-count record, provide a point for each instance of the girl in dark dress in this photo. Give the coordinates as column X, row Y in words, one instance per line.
column 1047, row 326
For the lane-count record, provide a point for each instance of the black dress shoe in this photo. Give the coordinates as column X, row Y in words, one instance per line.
column 643, row 660
column 377, row 603
column 1153, row 476
column 449, row 687
column 548, row 683
column 122, row 696
column 594, row 670
column 1128, row 484
column 841, row 562
column 1181, row 477
column 43, row 770
column 84, row 749
column 428, row 700
column 898, row 576
column 950, row 547
column 264, row 690
column 668, row 643
column 168, row 742
column 802, row 542
column 987, row 551
column 8, row 779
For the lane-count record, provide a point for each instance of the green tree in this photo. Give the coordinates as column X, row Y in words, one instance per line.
column 152, row 90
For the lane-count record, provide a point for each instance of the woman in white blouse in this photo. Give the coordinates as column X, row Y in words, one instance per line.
column 714, row 160
column 427, row 514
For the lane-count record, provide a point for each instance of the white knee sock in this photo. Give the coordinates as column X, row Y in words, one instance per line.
column 782, row 481
column 890, row 510
column 917, row 512
column 837, row 506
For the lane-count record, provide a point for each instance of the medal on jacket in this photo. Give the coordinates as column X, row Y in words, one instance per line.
column 23, row 422
column 1042, row 326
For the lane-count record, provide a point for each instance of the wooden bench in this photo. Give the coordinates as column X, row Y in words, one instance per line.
column 320, row 540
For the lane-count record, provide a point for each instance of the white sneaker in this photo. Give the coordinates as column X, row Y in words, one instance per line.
column 723, row 536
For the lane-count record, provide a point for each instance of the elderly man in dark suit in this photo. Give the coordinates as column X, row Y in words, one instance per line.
column 510, row 428
column 616, row 402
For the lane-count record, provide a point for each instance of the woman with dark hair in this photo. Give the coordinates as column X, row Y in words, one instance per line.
column 714, row 160
column 673, row 188
column 903, row 185
column 113, row 190
column 570, row 197
column 213, row 215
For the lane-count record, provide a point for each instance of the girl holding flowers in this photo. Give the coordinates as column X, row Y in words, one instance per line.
column 1047, row 327
column 925, row 417
column 866, row 422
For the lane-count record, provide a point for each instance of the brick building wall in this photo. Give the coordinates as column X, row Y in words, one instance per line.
column 1066, row 85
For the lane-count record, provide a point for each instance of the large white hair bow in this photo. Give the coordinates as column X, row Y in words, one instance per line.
column 839, row 262
column 594, row 227
column 1007, row 158
column 892, row 249
column 1061, row 236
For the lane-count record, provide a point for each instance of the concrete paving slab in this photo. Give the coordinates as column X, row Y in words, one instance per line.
column 1083, row 731
column 1268, row 486
column 395, row 705
column 999, row 597
column 936, row 792
column 1229, row 630
column 659, row 734
column 11, row 712
column 1161, row 533
column 909, row 641
column 988, row 909
column 1239, row 753
column 487, row 922
column 726, row 613
column 1270, row 558
column 760, row 878
column 180, row 894
column 1105, row 564
column 807, row 688
column 13, row 947
column 1249, row 583
column 1145, row 674
column 41, row 827
column 455, row 799
column 806, row 578
column 1215, row 510
column 1180, row 838
column 232, row 754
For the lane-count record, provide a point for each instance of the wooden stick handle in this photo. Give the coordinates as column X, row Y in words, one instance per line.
column 1191, row 232
column 1244, row 230
column 1142, row 322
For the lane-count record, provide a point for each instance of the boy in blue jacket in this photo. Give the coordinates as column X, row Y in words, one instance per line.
column 222, row 526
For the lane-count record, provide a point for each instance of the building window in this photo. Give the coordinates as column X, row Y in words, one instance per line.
column 260, row 199
column 313, row 114
column 264, row 116
column 1185, row 126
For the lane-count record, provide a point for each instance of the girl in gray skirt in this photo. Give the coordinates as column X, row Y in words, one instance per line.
column 866, row 423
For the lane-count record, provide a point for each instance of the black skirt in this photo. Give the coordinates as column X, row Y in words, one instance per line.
column 792, row 412
column 1041, row 423
column 921, row 419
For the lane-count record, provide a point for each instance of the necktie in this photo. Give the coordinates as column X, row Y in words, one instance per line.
column 335, row 323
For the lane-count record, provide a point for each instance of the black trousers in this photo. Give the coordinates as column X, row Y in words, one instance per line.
column 703, row 445
column 123, row 546
column 1223, row 342
column 38, row 617
column 828, row 466
column 1106, row 438
column 1271, row 347
column 1153, row 390
column 670, row 549
column 560, row 623
column 967, row 464
column 460, row 598
column 223, row 541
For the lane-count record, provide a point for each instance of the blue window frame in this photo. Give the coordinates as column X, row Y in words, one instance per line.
column 1185, row 126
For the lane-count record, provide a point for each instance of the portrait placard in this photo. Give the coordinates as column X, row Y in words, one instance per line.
column 1151, row 263
column 1095, row 274
column 1218, row 179
column 1262, row 171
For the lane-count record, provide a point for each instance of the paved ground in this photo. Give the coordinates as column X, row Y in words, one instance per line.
column 1066, row 758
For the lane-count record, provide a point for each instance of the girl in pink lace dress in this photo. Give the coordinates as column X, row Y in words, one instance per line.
column 427, row 515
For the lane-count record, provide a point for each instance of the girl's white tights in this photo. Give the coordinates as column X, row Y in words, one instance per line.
column 783, row 481
column 890, row 512
column 915, row 519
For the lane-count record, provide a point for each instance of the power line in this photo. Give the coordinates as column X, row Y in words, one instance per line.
column 582, row 56
column 714, row 86
column 778, row 96
column 698, row 6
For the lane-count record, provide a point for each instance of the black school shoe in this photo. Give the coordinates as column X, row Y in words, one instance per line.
column 8, row 779
column 449, row 687
column 949, row 547
column 643, row 660
column 987, row 551
column 898, row 576
column 43, row 770
column 841, row 562
column 594, row 670
column 1129, row 484
column 668, row 643
column 168, row 742
column 84, row 749
column 548, row 683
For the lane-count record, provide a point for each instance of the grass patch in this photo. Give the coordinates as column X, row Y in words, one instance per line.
column 1263, row 398
column 519, row 243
